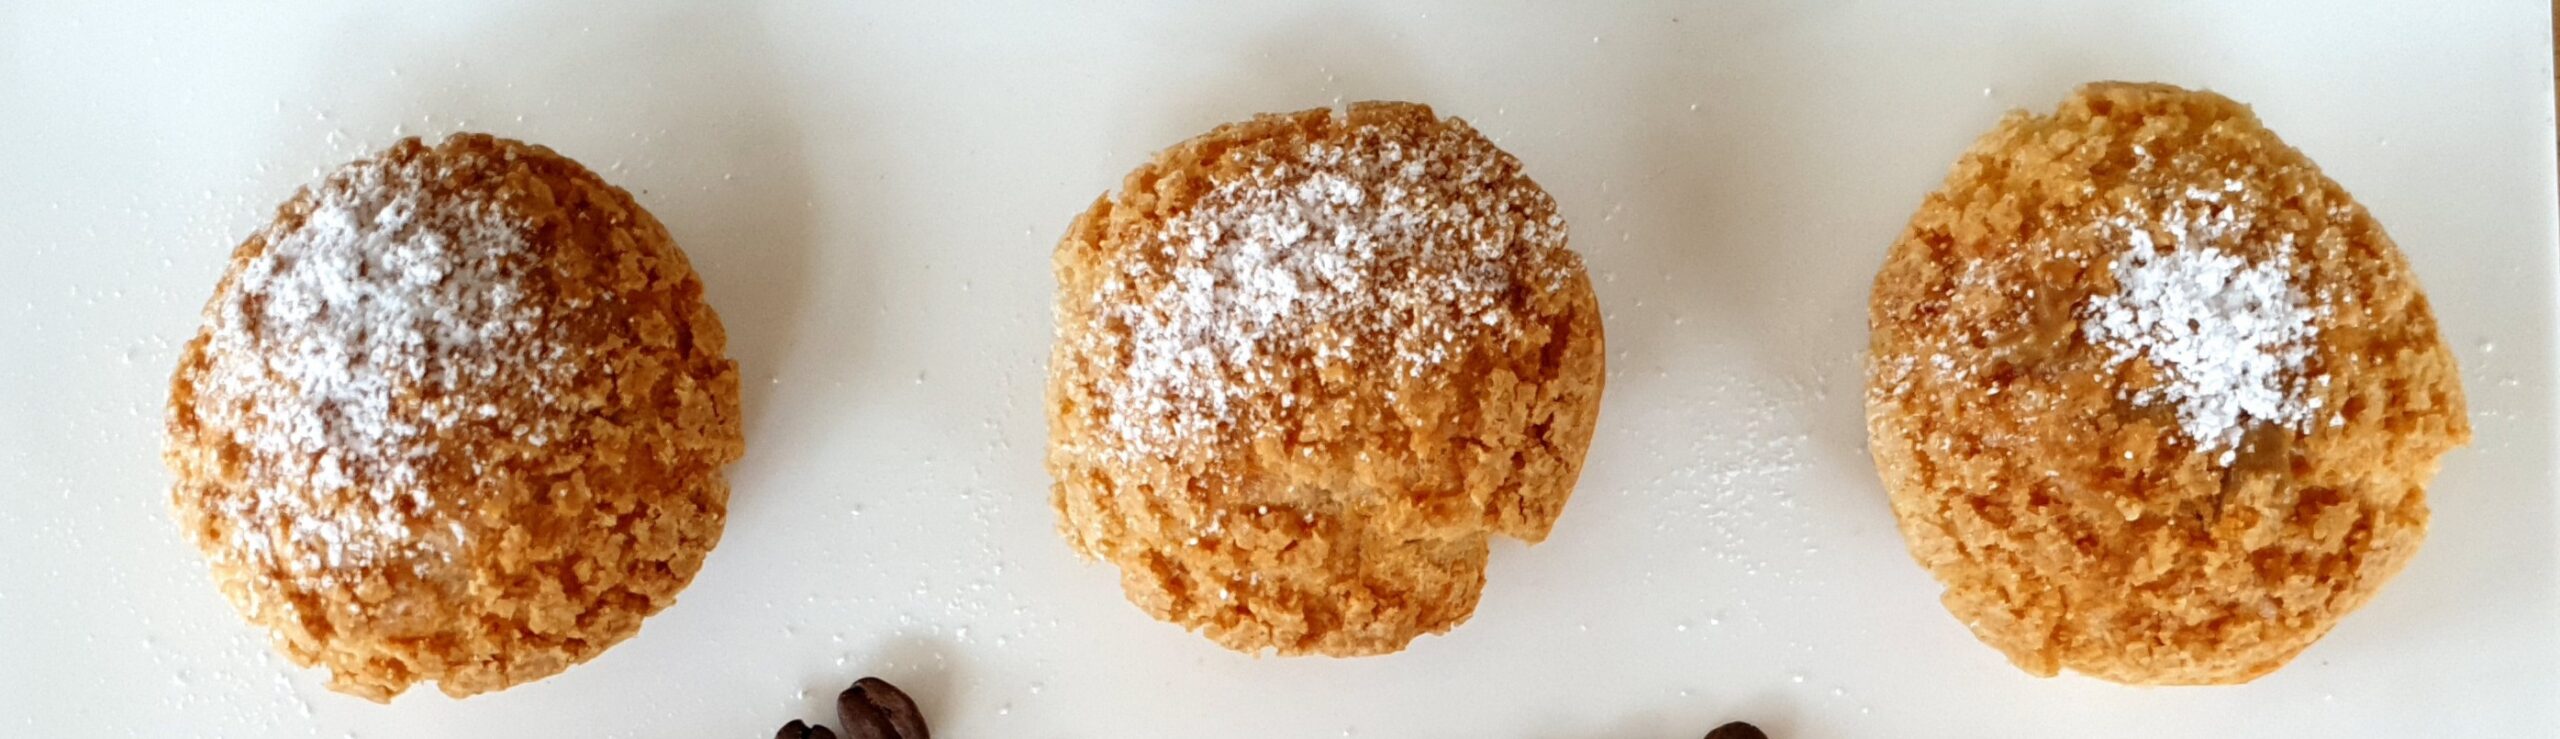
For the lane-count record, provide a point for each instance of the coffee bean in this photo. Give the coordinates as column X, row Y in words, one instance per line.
column 1737, row 730
column 862, row 720
column 874, row 709
column 799, row 730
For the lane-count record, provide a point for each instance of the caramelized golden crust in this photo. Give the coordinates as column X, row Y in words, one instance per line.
column 1306, row 365
column 2154, row 398
column 457, row 415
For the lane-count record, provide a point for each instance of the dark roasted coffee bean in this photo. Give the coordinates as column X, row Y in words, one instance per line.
column 874, row 709
column 793, row 730
column 860, row 719
column 821, row 732
column 1737, row 730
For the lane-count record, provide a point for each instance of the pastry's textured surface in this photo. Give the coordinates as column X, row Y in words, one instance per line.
column 457, row 415
column 2153, row 398
column 1307, row 365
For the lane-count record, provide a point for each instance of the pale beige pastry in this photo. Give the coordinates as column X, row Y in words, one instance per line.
column 457, row 415
column 1307, row 365
column 2152, row 397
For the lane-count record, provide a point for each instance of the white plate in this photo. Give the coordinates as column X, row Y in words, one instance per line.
column 872, row 190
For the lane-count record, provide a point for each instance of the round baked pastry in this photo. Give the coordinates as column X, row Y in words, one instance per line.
column 2152, row 397
column 1306, row 365
column 458, row 414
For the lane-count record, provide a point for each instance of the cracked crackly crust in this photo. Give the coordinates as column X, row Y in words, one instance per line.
column 2073, row 529
column 565, row 546
column 1358, row 518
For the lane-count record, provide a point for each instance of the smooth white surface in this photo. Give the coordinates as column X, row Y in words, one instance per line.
column 871, row 192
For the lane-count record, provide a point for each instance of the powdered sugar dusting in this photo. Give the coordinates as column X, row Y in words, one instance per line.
column 2229, row 334
column 1374, row 254
column 340, row 351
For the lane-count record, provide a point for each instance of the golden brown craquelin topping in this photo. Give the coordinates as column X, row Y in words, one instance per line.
column 1307, row 364
column 458, row 415
column 2153, row 398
